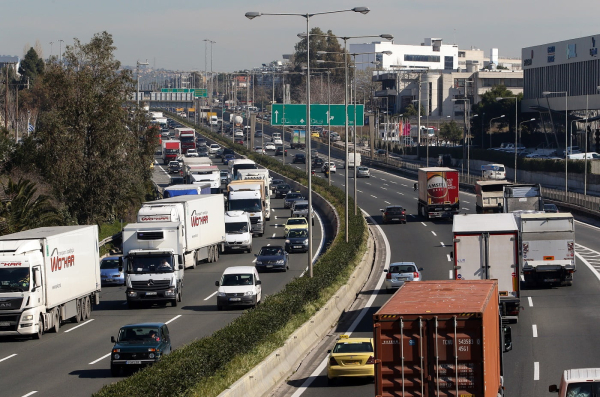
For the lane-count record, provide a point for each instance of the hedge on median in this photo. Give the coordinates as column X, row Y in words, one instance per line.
column 208, row 365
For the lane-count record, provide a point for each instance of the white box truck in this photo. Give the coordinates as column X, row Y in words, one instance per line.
column 485, row 248
column 259, row 174
column 353, row 160
column 249, row 196
column 47, row 275
column 547, row 244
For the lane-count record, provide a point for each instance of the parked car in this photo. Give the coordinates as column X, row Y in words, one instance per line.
column 294, row 223
column 351, row 358
column 239, row 286
column 110, row 273
column 393, row 213
column 399, row 273
column 297, row 241
column 363, row 172
column 272, row 257
column 139, row 345
column 280, row 151
column 299, row 158
column 282, row 190
column 269, row 146
column 290, row 198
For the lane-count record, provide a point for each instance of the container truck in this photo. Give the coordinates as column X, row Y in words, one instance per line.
column 438, row 192
column 353, row 160
column 524, row 197
column 547, row 243
column 195, row 189
column 489, row 196
column 248, row 196
column 263, row 175
column 187, row 137
column 171, row 149
column 171, row 234
column 298, row 139
column 486, row 246
column 440, row 338
column 47, row 275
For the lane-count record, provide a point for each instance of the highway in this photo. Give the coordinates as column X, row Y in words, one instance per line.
column 76, row 361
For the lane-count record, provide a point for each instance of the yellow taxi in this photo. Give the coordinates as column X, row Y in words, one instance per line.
column 351, row 357
column 315, row 134
column 295, row 223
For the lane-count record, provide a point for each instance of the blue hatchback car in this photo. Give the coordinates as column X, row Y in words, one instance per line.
column 109, row 271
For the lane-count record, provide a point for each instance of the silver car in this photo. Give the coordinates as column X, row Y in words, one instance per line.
column 399, row 273
column 363, row 172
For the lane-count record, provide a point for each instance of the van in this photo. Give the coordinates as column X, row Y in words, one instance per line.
column 578, row 382
column 238, row 231
column 239, row 286
column 214, row 120
column 493, row 171
column 583, row 156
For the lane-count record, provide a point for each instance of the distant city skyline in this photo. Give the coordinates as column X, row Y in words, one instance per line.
column 170, row 34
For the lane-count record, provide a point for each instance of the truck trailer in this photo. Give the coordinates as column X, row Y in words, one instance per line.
column 48, row 275
column 486, row 247
column 523, row 197
column 438, row 192
column 440, row 338
column 249, row 196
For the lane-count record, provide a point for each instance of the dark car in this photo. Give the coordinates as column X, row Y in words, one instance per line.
column 227, row 157
column 279, row 150
column 381, row 152
column 282, row 190
column 299, row 158
column 219, row 153
column 394, row 213
column 290, row 198
column 228, row 151
column 174, row 167
column 317, row 163
column 258, row 134
column 239, row 141
column 275, row 183
column 297, row 241
column 139, row 345
column 272, row 257
column 200, row 142
column 224, row 174
column 176, row 180
column 109, row 271
column 552, row 208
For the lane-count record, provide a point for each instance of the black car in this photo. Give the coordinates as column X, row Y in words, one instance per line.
column 139, row 345
column 219, row 153
column 272, row 257
column 282, row 190
column 317, row 163
column 552, row 208
column 228, row 151
column 290, row 198
column 299, row 158
column 176, row 180
column 297, row 241
column 381, row 152
column 394, row 213
column 275, row 183
column 279, row 150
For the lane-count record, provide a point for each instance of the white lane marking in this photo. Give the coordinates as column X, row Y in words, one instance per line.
column 384, row 188
column 450, row 274
column 173, row 319
column 416, row 198
column 81, row 325
column 373, row 196
column 274, row 235
column 275, row 216
column 442, row 243
column 214, row 293
column 466, row 209
column 404, row 185
column 367, row 183
column 387, row 202
column 402, row 194
column 534, row 329
column 449, row 259
column 536, row 371
column 530, row 301
column 466, row 202
column 385, row 184
column 359, row 190
column 432, row 232
column 424, row 224
column 581, row 258
column 7, row 357
column 343, row 184
column 254, row 260
column 100, row 359
column 268, row 245
column 31, row 393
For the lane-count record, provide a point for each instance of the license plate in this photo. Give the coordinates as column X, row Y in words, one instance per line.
column 151, row 293
column 395, row 219
column 235, row 299
column 269, row 265
column 133, row 362
column 352, row 362
column 297, row 246
column 402, row 278
column 550, row 280
column 4, row 324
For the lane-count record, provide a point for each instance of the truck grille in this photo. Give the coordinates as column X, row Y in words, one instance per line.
column 12, row 320
column 234, row 294
column 10, row 303
column 254, row 219
column 151, row 285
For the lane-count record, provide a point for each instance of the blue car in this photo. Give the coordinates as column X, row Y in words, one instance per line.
column 109, row 271
column 272, row 258
column 227, row 157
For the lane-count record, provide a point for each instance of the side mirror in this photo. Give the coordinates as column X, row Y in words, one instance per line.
column 329, row 351
column 216, row 283
column 258, row 282
column 553, row 389
column 113, row 340
column 385, row 270
column 180, row 267
column 507, row 339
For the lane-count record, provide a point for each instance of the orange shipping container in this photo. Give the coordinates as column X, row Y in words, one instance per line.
column 439, row 338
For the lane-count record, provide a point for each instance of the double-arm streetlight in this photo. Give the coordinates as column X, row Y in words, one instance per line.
column 566, row 94
column 138, row 79
column 307, row 16
column 516, row 126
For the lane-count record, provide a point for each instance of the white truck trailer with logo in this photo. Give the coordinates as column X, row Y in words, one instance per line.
column 485, row 248
column 547, row 242
column 47, row 275
column 259, row 174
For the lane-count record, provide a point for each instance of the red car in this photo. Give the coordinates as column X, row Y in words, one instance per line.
column 239, row 141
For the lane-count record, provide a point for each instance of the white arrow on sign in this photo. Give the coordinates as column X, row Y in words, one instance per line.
column 276, row 113
column 301, row 121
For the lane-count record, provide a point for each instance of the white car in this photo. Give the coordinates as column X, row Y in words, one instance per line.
column 277, row 141
column 270, row 146
column 330, row 165
column 239, row 286
column 259, row 150
column 213, row 148
column 191, row 153
column 238, row 133
column 362, row 172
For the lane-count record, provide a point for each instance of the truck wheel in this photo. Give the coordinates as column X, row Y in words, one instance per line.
column 87, row 312
column 217, row 254
column 174, row 302
column 56, row 320
column 40, row 329
column 209, row 255
column 77, row 318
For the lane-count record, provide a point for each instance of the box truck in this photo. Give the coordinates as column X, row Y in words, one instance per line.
column 298, row 139
column 547, row 243
column 438, row 192
column 187, row 137
column 523, row 197
column 263, row 175
column 440, row 338
column 171, row 234
column 353, row 160
column 195, row 189
column 47, row 275
column 486, row 246
column 249, row 196
column 171, row 149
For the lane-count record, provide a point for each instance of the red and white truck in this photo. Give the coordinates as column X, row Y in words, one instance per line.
column 187, row 137
column 47, row 275
column 440, row 338
column 438, row 192
column 171, row 150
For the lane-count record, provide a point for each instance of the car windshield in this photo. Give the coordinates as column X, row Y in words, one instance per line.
column 349, row 347
column 402, row 269
column 296, row 221
column 150, row 264
column 283, row 187
column 301, row 207
column 236, row 227
column 293, row 195
column 14, row 279
column 270, row 251
column 138, row 335
column 394, row 210
column 363, row 169
column 248, row 205
column 224, row 173
column 583, row 389
column 109, row 264
column 230, row 280
column 300, row 156
column 295, row 233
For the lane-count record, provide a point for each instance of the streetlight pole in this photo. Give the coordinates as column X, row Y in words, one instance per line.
column 138, row 80
column 490, row 130
column 516, row 127
column 546, row 93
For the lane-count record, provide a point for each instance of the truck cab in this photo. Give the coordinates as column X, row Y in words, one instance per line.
column 251, row 202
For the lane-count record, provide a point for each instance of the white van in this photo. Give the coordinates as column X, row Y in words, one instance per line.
column 238, row 231
column 578, row 382
column 493, row 171
column 583, row 156
column 239, row 286
column 214, row 120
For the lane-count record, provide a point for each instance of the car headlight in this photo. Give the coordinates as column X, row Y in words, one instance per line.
column 117, row 356
column 221, row 294
column 280, row 262
column 305, row 242
column 259, row 262
column 170, row 293
column 132, row 293
column 28, row 317
column 248, row 293
column 151, row 355
column 287, row 241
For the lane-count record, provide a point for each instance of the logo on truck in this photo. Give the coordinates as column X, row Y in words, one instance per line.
column 439, row 188
column 197, row 220
column 62, row 260
column 158, row 218
column 10, row 263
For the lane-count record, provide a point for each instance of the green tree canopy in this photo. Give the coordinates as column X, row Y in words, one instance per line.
column 320, row 41
column 31, row 67
column 451, row 132
column 490, row 108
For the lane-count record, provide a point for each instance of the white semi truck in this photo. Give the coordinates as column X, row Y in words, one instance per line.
column 248, row 196
column 181, row 231
column 47, row 275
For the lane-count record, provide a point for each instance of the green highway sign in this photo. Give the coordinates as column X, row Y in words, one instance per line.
column 176, row 90
column 296, row 114
column 200, row 93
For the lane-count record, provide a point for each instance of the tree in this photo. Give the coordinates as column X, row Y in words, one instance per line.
column 411, row 110
column 450, row 132
column 31, row 67
column 94, row 151
column 492, row 108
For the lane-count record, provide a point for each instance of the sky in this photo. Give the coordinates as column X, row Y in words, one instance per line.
column 170, row 33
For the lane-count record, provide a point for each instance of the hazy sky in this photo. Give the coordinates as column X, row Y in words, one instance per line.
column 170, row 33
